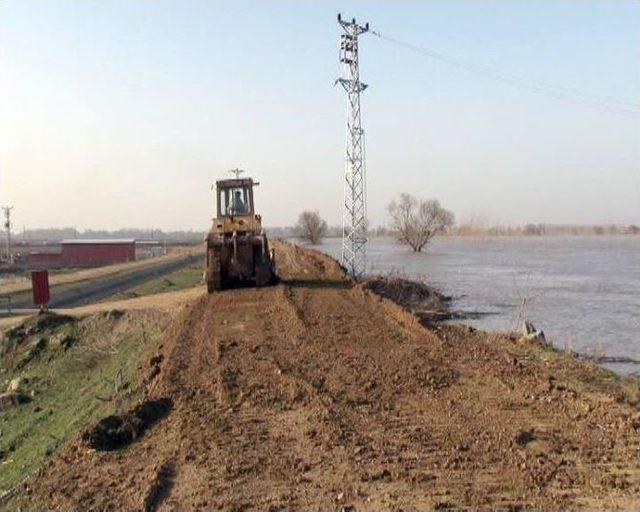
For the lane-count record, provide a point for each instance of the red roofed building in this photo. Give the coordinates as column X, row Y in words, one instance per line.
column 87, row 253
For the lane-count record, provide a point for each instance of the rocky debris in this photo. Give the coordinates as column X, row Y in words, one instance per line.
column 117, row 431
column 531, row 334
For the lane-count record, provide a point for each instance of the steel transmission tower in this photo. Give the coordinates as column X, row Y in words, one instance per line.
column 354, row 221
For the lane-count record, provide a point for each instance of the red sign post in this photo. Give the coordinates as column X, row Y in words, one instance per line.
column 40, row 284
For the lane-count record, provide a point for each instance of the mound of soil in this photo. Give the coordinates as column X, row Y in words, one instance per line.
column 421, row 299
column 117, row 431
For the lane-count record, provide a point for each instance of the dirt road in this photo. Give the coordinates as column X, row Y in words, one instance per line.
column 317, row 394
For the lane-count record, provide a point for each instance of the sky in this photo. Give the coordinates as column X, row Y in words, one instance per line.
column 122, row 113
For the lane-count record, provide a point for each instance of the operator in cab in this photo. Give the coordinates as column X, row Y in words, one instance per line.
column 238, row 205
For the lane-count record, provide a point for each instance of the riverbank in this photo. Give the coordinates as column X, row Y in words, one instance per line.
column 319, row 393
column 584, row 292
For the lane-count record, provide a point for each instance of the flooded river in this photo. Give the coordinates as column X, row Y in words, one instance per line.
column 584, row 292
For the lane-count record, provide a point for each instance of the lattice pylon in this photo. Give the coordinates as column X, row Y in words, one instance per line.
column 354, row 220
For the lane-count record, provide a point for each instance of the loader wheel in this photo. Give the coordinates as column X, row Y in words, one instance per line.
column 264, row 272
column 214, row 277
column 263, row 275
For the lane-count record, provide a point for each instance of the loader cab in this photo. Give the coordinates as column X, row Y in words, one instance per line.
column 237, row 247
column 235, row 197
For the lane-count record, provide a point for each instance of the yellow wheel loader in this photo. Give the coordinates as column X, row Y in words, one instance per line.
column 237, row 248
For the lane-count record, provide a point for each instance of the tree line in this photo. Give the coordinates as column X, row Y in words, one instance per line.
column 414, row 222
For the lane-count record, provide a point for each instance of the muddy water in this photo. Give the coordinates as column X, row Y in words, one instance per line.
column 584, row 292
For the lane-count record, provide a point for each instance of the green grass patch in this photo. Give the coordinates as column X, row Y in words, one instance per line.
column 187, row 277
column 70, row 373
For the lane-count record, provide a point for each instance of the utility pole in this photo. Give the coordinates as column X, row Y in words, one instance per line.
column 354, row 220
column 7, row 226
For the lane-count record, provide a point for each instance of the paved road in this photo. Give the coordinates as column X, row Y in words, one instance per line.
column 86, row 292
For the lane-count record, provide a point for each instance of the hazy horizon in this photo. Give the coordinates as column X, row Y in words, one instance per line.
column 122, row 113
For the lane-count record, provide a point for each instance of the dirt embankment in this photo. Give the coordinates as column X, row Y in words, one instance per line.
column 319, row 394
column 422, row 300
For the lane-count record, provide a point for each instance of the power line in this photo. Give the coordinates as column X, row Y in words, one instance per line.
column 610, row 105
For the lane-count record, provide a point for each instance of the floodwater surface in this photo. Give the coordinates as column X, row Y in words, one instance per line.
column 583, row 292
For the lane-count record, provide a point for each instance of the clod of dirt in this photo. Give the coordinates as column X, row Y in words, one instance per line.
column 118, row 431
column 156, row 360
column 155, row 367
column 524, row 437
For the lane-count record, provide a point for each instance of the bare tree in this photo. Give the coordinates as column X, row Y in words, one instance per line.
column 311, row 227
column 416, row 222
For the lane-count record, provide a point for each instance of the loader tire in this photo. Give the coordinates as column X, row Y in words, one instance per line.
column 264, row 272
column 214, row 277
column 263, row 275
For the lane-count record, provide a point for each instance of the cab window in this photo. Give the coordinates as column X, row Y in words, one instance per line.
column 234, row 201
